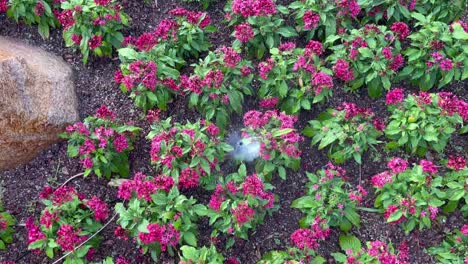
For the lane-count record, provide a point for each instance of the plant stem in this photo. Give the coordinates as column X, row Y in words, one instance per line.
column 370, row 210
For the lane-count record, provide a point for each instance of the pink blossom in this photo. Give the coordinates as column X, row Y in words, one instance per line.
column 395, row 96
column 95, row 42
column 3, row 5
column 34, row 232
column 308, row 237
column 390, row 210
column 287, row 46
column 464, row 230
column 265, row 67
column 381, row 179
column 217, row 198
column 68, row 238
column 456, row 163
column 428, row 166
column 446, row 65
column 311, row 20
column 120, row 143
column 101, row 212
column 231, row 56
column 188, row 178
column 342, row 71
column 269, row 102
column 243, row 32
column 397, row 62
column 48, row 218
column 243, row 213
column 102, row 2
column 379, row 125
column 397, row 165
column 400, row 29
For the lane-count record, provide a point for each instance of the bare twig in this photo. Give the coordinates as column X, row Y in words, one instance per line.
column 80, row 245
column 73, row 177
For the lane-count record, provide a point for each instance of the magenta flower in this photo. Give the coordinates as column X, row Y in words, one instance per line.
column 311, row 20
column 269, row 102
column 381, row 179
column 400, row 29
column 243, row 32
column 95, row 42
column 243, row 213
column 428, row 166
column 342, row 71
column 397, row 165
column 456, row 163
column 395, row 96
column 99, row 207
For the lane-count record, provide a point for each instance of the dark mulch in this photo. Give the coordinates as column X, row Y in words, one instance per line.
column 95, row 85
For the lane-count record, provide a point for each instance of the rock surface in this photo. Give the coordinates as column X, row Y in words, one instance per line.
column 37, row 100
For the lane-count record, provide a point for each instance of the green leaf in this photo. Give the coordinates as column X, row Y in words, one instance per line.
column 190, row 238
column 282, row 172
column 366, row 52
column 395, row 216
column 287, row 32
column 350, row 242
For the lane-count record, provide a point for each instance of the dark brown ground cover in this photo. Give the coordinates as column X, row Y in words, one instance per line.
column 95, row 85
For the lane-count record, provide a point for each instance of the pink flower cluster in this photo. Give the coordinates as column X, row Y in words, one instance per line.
column 450, row 104
column 243, row 32
column 307, row 238
column 173, row 150
column 99, row 207
column 352, row 110
column 243, row 213
column 428, row 166
column 321, row 80
column 286, row 144
column 197, row 18
column 400, row 29
column 48, row 218
column 445, row 64
column 380, row 250
column 34, row 232
column 165, row 235
column 230, row 56
column 456, row 163
column 381, row 179
column 265, row 67
column 342, row 71
column 269, row 102
column 248, row 8
column 348, row 8
column 144, row 186
column 139, row 73
column 3, row 5
column 311, row 20
column 395, row 96
column 68, row 238
column 3, row 224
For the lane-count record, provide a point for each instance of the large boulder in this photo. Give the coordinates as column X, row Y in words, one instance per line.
column 37, row 100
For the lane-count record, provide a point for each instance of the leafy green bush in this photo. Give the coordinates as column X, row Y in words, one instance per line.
column 330, row 197
column 92, row 26
column 30, row 12
column 102, row 144
column 6, row 228
column 437, row 55
column 422, row 122
column 156, row 215
column 348, row 131
column 453, row 249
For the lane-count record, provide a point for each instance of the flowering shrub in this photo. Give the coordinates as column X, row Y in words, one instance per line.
column 6, row 228
column 219, row 84
column 349, row 131
column 156, row 215
column 101, row 143
column 278, row 141
column 92, row 26
column 409, row 196
column 238, row 204
column 330, row 197
column 39, row 12
column 305, row 242
column 189, row 153
column 455, row 182
column 376, row 252
column 322, row 18
column 190, row 32
column 257, row 24
column 200, row 255
column 370, row 55
column 453, row 249
column 68, row 220
column 401, row 10
column 294, row 76
column 424, row 121
column 149, row 75
column 437, row 54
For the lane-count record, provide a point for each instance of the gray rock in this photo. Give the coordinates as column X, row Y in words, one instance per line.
column 37, row 101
